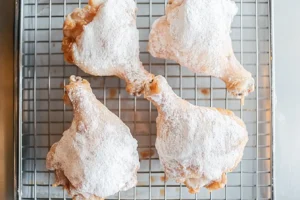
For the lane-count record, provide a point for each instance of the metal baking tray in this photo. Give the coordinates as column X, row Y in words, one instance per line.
column 43, row 117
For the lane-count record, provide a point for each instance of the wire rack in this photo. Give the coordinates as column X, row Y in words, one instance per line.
column 43, row 116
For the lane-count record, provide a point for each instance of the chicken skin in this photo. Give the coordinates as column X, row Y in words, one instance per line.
column 102, row 39
column 196, row 34
column 97, row 156
column 196, row 145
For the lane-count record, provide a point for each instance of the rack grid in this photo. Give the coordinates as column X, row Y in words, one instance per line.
column 44, row 117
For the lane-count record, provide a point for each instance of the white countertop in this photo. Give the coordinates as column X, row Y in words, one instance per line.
column 287, row 55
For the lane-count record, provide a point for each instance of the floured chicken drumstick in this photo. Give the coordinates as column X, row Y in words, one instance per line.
column 196, row 145
column 97, row 156
column 102, row 39
column 196, row 34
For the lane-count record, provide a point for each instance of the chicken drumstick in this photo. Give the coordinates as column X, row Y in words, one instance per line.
column 102, row 39
column 97, row 156
column 196, row 145
column 196, row 34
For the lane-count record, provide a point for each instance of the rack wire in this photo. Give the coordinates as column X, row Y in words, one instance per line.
column 44, row 117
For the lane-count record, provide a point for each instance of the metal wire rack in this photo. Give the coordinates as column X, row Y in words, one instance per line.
column 43, row 117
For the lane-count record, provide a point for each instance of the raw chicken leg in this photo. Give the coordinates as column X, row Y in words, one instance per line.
column 196, row 145
column 102, row 39
column 196, row 34
column 97, row 156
